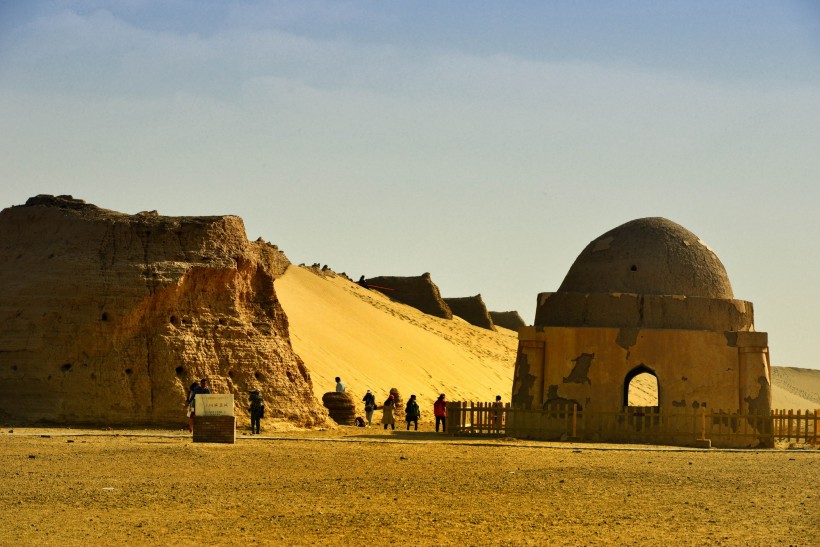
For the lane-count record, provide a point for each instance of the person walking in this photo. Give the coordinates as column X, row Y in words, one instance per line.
column 498, row 411
column 189, row 404
column 257, row 409
column 387, row 412
column 369, row 406
column 440, row 412
column 412, row 413
column 340, row 387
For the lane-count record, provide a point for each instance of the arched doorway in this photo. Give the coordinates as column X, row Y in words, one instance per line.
column 641, row 400
column 641, row 388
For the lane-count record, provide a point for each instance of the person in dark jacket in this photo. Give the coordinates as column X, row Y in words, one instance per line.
column 369, row 406
column 412, row 413
column 257, row 409
column 189, row 405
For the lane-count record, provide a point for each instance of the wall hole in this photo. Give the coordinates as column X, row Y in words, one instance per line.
column 259, row 376
column 174, row 320
column 129, row 372
column 633, row 268
column 179, row 371
column 66, row 367
column 104, row 316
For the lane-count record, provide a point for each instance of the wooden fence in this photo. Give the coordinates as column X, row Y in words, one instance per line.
column 635, row 425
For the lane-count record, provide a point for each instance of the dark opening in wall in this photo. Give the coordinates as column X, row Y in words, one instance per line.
column 104, row 316
column 223, row 321
column 129, row 372
column 179, row 371
column 230, row 374
column 634, row 268
column 259, row 376
column 174, row 320
column 66, row 367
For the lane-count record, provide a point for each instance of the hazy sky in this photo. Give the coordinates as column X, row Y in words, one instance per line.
column 484, row 142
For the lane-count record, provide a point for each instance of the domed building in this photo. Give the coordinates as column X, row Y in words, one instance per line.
column 648, row 298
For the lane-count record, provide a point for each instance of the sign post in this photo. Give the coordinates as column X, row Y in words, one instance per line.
column 214, row 421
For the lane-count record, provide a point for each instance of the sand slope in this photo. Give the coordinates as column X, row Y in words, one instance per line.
column 341, row 329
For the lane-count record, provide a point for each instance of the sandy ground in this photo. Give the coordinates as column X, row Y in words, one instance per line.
column 352, row 486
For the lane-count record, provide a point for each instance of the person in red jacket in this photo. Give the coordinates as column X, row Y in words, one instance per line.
column 440, row 412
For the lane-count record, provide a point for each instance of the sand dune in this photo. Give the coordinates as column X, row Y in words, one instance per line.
column 341, row 329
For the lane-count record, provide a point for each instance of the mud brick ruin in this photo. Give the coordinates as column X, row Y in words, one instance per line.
column 646, row 297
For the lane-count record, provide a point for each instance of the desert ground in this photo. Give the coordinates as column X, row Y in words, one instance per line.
column 353, row 486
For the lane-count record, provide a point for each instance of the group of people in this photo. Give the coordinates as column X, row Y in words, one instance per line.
column 412, row 412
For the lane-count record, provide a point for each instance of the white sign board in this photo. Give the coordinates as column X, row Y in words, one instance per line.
column 214, row 404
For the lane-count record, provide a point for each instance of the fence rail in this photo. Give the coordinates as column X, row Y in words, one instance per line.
column 636, row 425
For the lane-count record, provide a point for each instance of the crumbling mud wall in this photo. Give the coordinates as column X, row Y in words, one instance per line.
column 508, row 319
column 107, row 317
column 419, row 292
column 472, row 310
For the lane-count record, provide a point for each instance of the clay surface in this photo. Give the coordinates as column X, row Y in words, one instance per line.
column 649, row 256
column 419, row 292
column 108, row 317
column 508, row 319
column 472, row 310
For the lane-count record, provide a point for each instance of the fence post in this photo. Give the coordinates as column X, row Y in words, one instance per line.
column 789, row 426
column 816, row 418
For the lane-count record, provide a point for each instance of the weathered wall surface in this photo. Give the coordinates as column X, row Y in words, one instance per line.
column 419, row 292
column 107, row 317
column 592, row 366
column 643, row 311
column 508, row 319
column 472, row 310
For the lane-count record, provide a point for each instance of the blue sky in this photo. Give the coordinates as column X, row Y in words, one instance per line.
column 484, row 142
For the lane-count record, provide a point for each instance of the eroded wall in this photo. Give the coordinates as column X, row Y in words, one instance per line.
column 695, row 369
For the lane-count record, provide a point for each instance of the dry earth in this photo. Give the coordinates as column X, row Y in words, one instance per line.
column 353, row 486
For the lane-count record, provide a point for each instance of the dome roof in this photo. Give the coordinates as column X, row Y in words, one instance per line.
column 649, row 256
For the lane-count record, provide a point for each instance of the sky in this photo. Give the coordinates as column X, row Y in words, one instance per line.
column 484, row 142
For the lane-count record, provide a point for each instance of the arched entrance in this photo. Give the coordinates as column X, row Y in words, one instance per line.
column 641, row 388
column 641, row 399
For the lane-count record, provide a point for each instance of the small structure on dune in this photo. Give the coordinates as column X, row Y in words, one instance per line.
column 419, row 292
column 472, row 310
column 398, row 402
column 507, row 319
column 340, row 406
column 647, row 298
